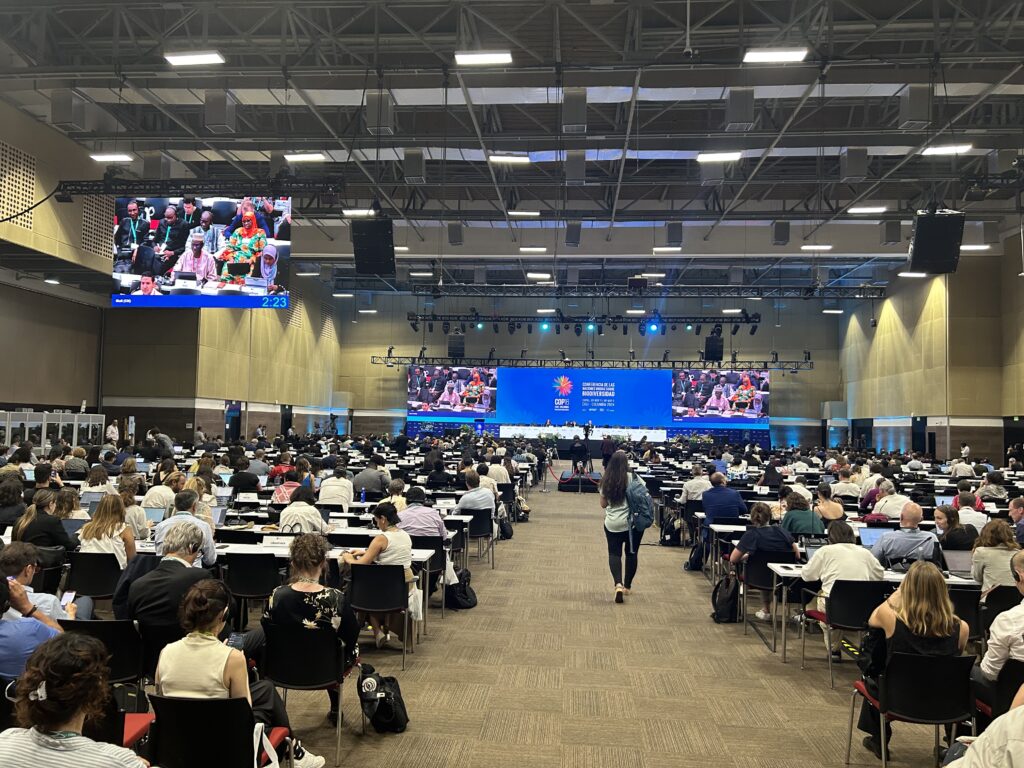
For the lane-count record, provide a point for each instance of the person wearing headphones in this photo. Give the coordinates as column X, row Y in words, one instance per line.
column 1006, row 639
column 155, row 597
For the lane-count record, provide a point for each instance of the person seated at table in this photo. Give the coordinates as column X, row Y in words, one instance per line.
column 992, row 488
column 888, row 501
column 993, row 550
column 717, row 401
column 743, row 397
column 337, row 489
column 108, row 533
column 244, row 481
column 196, row 260
column 418, row 519
column 799, row 520
column 64, row 683
column 762, row 537
column 130, row 472
column 305, row 601
column 134, row 515
column 185, row 503
column 438, row 477
column 827, row 508
column 19, row 637
column 970, row 508
column 953, row 535
column 98, row 481
column 304, row 472
column 771, row 477
column 39, row 526
column 200, row 666
column 909, row 542
column 394, row 493
column 20, row 562
column 1006, row 634
column 474, row 390
column 721, row 501
column 283, row 465
column 68, row 506
column 301, row 515
column 392, row 547
column 372, row 478
column 999, row 745
column 161, row 495
column 283, row 492
column 842, row 559
column 917, row 618
column 845, row 486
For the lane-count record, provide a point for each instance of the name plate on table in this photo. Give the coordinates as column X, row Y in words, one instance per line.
column 250, row 497
column 278, row 541
column 762, row 490
column 990, row 506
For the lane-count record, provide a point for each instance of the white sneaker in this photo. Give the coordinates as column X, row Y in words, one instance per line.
column 763, row 615
column 309, row 760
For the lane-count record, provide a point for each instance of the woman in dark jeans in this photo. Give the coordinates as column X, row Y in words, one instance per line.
column 305, row 601
column 917, row 618
column 616, row 524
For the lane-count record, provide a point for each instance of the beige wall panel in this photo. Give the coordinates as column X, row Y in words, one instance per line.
column 1012, row 327
column 150, row 353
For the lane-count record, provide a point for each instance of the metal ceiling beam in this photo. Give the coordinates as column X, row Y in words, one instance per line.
column 613, row 208
column 668, row 292
column 556, row 362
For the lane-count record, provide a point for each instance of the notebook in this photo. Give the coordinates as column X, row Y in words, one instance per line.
column 869, row 536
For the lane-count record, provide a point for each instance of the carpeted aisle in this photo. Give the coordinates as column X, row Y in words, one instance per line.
column 548, row 671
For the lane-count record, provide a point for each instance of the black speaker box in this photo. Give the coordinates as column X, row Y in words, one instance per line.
column 374, row 247
column 935, row 244
column 456, row 345
column 713, row 348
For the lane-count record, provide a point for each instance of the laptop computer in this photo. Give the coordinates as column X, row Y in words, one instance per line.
column 958, row 563
column 810, row 549
column 943, row 500
column 92, row 496
column 870, row 536
column 218, row 514
column 72, row 526
column 154, row 514
column 225, row 477
column 93, row 506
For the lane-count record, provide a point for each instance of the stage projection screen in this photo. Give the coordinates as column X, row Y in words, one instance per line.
column 603, row 396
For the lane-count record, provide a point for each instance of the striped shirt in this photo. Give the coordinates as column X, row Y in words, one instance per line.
column 20, row 746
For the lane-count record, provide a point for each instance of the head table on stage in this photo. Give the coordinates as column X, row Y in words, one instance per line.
column 568, row 433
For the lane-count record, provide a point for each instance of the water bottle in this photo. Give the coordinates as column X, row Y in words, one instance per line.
column 362, row 496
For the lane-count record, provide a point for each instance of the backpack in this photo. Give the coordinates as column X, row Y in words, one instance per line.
column 381, row 700
column 696, row 560
column 505, row 529
column 725, row 600
column 641, row 507
column 461, row 595
column 671, row 533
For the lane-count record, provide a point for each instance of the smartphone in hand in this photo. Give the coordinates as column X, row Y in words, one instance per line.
column 67, row 598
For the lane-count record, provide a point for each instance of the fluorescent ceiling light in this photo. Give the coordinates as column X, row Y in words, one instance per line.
column 546, row 311
column 307, row 273
column 51, row 281
column 509, row 159
column 774, row 55
column 831, row 311
column 523, row 214
column 815, row 247
column 667, row 249
column 367, row 311
column 652, row 274
column 193, row 58
column 975, row 247
column 401, row 249
column 948, row 149
column 753, row 298
column 532, row 249
column 718, row 157
column 912, row 274
column 482, row 58
column 306, row 157
column 636, row 311
column 539, row 275
column 731, row 311
column 358, row 212
column 868, row 209
column 421, row 274
column 112, row 157
column 341, row 295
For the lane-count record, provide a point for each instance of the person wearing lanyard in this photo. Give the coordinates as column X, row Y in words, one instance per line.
column 189, row 215
column 170, row 240
column 131, row 233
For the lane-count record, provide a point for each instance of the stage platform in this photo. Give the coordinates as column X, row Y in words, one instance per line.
column 583, row 483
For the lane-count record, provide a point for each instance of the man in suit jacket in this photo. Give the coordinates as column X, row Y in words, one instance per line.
column 721, row 501
column 155, row 597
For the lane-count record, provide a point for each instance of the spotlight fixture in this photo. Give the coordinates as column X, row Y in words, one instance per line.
column 558, row 329
column 600, row 329
column 529, row 327
column 689, row 326
column 446, row 327
column 479, row 326
column 430, row 327
column 698, row 329
column 415, row 326
column 735, row 329
column 625, row 329
column 642, row 328
column 663, row 328
column 807, row 356
column 51, row 280
column 734, row 356
column 591, row 354
column 632, row 354
column 511, row 328
column 423, row 351
column 578, row 329
column 653, row 327
column 391, row 350
column 775, row 356
column 664, row 357
column 562, row 353
column 490, row 355
column 462, row 327
column 522, row 353
column 590, row 326
column 545, row 326
column 700, row 355
column 717, row 330
column 495, row 326
column 753, row 329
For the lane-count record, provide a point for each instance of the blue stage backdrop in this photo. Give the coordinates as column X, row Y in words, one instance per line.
column 675, row 400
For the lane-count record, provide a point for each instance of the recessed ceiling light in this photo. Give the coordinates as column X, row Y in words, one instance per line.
column 401, row 249
column 367, row 311
column 532, row 249
column 868, row 209
column 112, row 157
column 509, row 159
column 731, row 311
column 718, row 157
column 774, row 55
column 353, row 213
column 524, row 214
column 341, row 295
column 652, row 274
column 815, row 247
column 667, row 249
column 421, row 274
column 546, row 311
column 539, row 275
column 636, row 311
column 306, row 157
column 975, row 247
column 912, row 274
column 754, row 298
column 482, row 58
column 831, row 311
column 307, row 273
column 193, row 58
column 546, row 282
column 948, row 149
column 51, row 280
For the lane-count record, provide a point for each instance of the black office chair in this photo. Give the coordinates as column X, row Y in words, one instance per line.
column 122, row 642
column 154, row 638
column 967, row 605
column 757, row 575
column 435, row 565
column 250, row 577
column 382, row 589
column 507, row 492
column 304, row 659
column 481, row 528
column 51, row 569
column 224, row 728
column 996, row 601
column 94, row 574
column 928, row 690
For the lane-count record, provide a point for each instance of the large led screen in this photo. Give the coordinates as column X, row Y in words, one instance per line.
column 201, row 252
column 726, row 393
column 452, row 390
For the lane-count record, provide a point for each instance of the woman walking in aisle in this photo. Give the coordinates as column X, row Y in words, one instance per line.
column 616, row 524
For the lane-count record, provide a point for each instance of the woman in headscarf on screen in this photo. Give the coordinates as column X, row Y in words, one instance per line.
column 743, row 397
column 246, row 245
column 269, row 261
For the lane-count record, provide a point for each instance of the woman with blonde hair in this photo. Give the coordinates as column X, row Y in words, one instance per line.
column 917, row 618
column 107, row 532
column 133, row 513
column 68, row 506
column 993, row 550
column 198, row 485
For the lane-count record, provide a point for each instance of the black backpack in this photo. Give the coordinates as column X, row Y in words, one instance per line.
column 671, row 533
column 505, row 530
column 382, row 702
column 461, row 595
column 725, row 600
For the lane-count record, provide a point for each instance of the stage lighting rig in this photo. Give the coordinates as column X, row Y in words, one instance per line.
column 664, row 357
column 423, row 352
column 522, row 353
column 562, row 353
column 578, row 329
column 807, row 356
column 775, row 356
column 735, row 329
column 391, row 350
column 734, row 356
